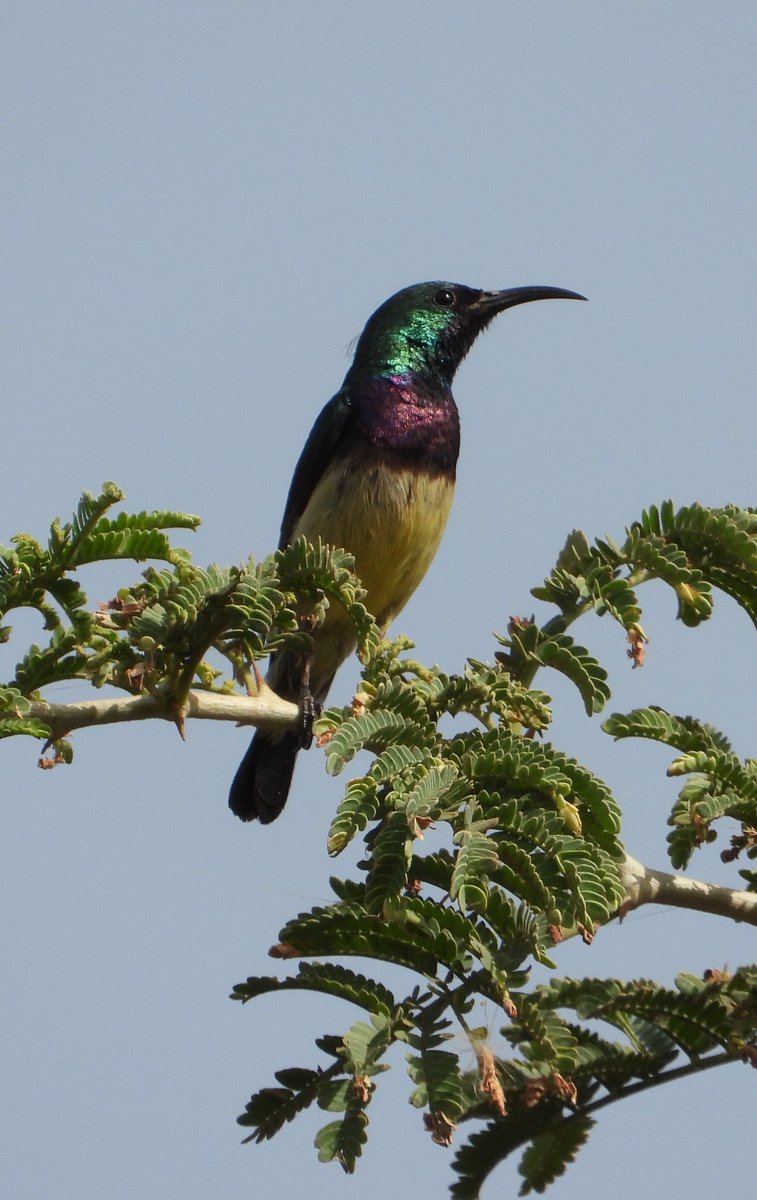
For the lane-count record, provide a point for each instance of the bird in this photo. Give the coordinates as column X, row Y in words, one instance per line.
column 376, row 478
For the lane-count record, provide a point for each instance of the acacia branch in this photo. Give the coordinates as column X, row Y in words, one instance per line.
column 266, row 708
column 644, row 885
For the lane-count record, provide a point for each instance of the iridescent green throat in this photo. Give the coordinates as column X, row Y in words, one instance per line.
column 411, row 335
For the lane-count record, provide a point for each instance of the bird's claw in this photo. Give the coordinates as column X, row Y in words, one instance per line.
column 310, row 710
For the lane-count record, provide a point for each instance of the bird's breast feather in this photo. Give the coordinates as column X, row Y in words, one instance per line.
column 391, row 517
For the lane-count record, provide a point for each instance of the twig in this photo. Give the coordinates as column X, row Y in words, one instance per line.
column 266, row 709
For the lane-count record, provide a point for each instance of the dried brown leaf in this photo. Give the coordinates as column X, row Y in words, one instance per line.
column 440, row 1127
column 490, row 1084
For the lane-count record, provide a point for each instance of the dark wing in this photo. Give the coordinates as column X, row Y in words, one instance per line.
column 319, row 450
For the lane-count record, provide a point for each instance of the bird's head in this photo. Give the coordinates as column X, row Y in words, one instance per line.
column 427, row 329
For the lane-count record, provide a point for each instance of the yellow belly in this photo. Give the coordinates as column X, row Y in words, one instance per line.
column 392, row 521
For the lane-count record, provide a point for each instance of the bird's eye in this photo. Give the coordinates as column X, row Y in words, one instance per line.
column 445, row 297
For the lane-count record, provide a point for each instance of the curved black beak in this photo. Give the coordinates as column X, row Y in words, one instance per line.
column 496, row 302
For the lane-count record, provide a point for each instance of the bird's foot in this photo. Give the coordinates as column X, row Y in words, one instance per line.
column 310, row 710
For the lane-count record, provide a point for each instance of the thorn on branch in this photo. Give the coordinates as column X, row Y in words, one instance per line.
column 626, row 907
column 178, row 716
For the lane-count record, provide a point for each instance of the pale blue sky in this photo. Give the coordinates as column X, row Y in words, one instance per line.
column 202, row 203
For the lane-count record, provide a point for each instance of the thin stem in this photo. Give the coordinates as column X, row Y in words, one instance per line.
column 694, row 1067
column 463, row 1023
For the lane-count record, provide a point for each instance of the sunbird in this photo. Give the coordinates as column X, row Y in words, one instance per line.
column 376, row 478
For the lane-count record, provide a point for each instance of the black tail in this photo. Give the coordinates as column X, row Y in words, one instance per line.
column 261, row 784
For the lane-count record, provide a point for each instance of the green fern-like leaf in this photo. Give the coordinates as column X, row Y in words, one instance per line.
column 563, row 654
column 330, row 979
column 181, row 605
column 347, row 930
column 487, row 1148
column 136, row 544
column 436, row 1074
column 396, row 759
column 29, row 727
column 388, row 874
column 434, row 869
column 524, row 764
column 611, row 594
column 255, row 605
column 520, row 929
column 359, row 806
column 551, row 1041
column 271, row 1108
column 725, row 787
column 488, row 690
column 667, row 561
column 374, row 731
column 66, row 541
column 721, row 543
column 435, row 789
column 684, row 733
column 477, row 859
column 518, row 874
column 552, row 1151
column 366, row 1042
column 308, row 570
column 13, row 702
column 725, row 768
column 509, row 760
column 58, row 661
column 161, row 519
column 343, row 1141
column 656, row 1018
column 593, row 880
